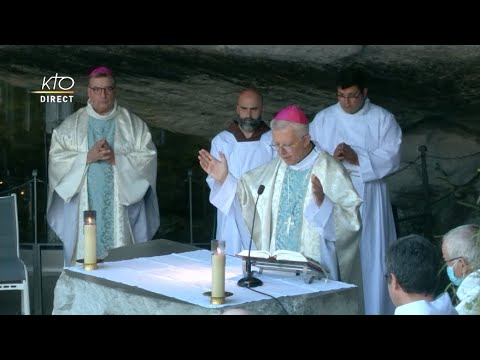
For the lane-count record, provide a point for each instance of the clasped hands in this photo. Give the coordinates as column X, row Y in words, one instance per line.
column 101, row 151
column 218, row 170
column 345, row 152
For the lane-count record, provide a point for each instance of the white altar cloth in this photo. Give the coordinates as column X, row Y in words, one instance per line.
column 186, row 276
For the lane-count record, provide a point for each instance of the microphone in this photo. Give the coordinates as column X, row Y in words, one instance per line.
column 249, row 280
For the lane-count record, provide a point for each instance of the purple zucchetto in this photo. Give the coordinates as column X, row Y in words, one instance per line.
column 103, row 70
column 292, row 113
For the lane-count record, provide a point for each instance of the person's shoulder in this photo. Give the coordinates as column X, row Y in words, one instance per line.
column 326, row 160
column 75, row 114
column 71, row 120
column 125, row 111
column 381, row 109
column 266, row 168
column 324, row 155
column 223, row 136
column 325, row 111
column 267, row 136
column 128, row 114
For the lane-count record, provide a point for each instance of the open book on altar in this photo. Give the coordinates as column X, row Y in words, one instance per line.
column 280, row 255
column 284, row 256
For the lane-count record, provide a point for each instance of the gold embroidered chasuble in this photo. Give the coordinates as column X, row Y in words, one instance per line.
column 337, row 186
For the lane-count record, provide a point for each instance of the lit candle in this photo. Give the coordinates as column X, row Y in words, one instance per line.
column 90, row 233
column 218, row 269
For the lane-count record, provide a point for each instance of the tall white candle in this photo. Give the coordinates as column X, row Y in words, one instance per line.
column 90, row 243
column 90, row 240
column 218, row 269
column 90, row 232
column 218, row 275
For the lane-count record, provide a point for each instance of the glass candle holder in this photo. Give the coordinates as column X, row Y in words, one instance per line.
column 90, row 234
column 218, row 272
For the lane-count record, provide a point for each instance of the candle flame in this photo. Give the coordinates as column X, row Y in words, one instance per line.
column 89, row 220
column 219, row 250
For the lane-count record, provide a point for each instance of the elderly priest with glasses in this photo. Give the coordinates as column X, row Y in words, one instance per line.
column 102, row 158
column 309, row 204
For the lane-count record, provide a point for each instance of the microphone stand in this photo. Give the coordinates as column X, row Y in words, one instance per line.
column 250, row 281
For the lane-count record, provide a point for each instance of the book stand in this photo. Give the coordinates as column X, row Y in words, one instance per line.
column 309, row 270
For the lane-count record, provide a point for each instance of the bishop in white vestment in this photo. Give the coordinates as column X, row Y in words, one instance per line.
column 309, row 204
column 102, row 158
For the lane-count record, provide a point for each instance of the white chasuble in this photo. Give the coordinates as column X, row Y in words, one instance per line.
column 136, row 215
column 340, row 224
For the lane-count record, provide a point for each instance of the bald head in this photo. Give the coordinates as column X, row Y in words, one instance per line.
column 252, row 94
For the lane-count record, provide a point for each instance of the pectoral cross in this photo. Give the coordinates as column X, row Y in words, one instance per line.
column 290, row 223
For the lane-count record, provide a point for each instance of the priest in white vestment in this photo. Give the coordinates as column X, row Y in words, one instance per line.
column 102, row 158
column 246, row 145
column 366, row 138
column 309, row 204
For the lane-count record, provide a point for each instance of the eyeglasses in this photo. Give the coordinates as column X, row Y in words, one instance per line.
column 98, row 90
column 349, row 96
column 287, row 147
column 455, row 258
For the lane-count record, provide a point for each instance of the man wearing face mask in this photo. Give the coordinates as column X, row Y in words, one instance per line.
column 461, row 252
column 246, row 145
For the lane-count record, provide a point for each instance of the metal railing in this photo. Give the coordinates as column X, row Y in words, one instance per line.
column 190, row 182
column 427, row 214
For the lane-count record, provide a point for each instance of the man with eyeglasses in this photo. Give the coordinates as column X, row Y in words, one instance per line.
column 308, row 205
column 245, row 143
column 366, row 139
column 413, row 265
column 102, row 158
column 461, row 252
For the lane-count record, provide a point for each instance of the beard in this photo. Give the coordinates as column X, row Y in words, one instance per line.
column 249, row 124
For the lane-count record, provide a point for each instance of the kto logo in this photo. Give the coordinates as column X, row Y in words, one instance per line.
column 56, row 89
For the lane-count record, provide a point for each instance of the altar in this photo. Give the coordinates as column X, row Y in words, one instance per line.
column 165, row 277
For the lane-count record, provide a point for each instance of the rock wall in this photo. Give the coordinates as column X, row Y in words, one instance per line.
column 191, row 90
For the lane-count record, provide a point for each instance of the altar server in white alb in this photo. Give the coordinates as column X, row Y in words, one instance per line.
column 309, row 204
column 102, row 158
column 246, row 145
column 366, row 139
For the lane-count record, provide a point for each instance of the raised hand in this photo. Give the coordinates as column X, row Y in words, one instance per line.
column 217, row 169
column 317, row 190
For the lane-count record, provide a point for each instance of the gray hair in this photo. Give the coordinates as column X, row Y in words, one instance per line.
column 464, row 241
column 300, row 129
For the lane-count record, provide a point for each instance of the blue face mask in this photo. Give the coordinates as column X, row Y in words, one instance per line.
column 451, row 275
